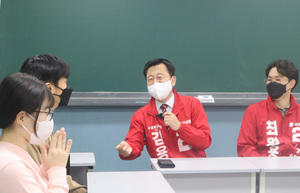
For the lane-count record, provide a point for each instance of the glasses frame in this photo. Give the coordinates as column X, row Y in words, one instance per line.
column 49, row 114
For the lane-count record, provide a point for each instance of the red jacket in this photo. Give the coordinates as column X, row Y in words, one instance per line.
column 190, row 140
column 265, row 132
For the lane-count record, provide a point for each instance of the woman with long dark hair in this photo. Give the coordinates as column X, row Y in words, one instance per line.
column 26, row 118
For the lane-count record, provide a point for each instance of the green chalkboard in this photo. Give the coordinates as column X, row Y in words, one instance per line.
column 215, row 45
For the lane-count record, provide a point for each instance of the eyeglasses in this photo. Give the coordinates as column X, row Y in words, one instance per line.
column 160, row 78
column 49, row 113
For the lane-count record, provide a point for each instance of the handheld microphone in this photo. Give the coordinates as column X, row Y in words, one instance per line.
column 160, row 115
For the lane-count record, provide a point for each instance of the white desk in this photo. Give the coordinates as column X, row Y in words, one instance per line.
column 210, row 175
column 278, row 174
column 128, row 182
column 80, row 164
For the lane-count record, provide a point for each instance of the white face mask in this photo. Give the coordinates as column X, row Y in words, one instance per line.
column 160, row 91
column 43, row 132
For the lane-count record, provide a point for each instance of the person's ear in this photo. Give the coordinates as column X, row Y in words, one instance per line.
column 292, row 83
column 173, row 80
column 50, row 86
column 20, row 118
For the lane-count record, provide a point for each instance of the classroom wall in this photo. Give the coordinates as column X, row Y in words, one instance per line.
column 100, row 129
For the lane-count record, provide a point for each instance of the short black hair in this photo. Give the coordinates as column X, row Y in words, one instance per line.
column 286, row 68
column 47, row 68
column 157, row 61
column 22, row 92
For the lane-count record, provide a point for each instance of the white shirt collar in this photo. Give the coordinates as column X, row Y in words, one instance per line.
column 170, row 104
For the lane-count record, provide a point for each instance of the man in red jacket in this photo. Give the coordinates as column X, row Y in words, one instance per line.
column 271, row 128
column 170, row 125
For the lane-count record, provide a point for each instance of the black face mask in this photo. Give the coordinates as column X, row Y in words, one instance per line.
column 276, row 90
column 65, row 95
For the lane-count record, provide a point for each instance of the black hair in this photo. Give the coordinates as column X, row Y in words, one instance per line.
column 286, row 68
column 22, row 92
column 157, row 61
column 46, row 68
